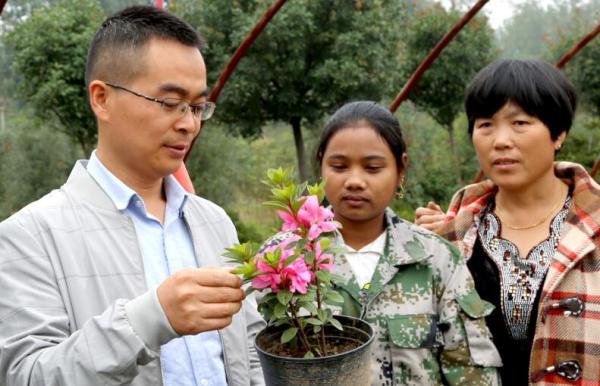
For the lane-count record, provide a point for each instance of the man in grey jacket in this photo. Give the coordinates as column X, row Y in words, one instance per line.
column 108, row 280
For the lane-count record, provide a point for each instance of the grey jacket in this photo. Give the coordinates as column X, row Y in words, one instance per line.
column 74, row 305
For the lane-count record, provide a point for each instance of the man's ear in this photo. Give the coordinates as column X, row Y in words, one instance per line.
column 99, row 97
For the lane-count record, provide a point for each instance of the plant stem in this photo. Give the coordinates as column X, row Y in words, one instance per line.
column 303, row 337
column 322, row 342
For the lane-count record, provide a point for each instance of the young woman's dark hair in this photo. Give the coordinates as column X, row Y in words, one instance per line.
column 116, row 49
column 539, row 88
column 377, row 116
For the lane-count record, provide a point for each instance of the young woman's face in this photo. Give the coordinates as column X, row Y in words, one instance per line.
column 360, row 173
column 514, row 148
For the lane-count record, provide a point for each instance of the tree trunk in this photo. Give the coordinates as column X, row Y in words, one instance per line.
column 295, row 122
column 455, row 157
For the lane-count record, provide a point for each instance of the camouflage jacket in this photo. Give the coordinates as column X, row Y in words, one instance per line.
column 428, row 319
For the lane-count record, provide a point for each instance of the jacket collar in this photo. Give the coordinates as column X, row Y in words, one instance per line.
column 81, row 186
column 581, row 228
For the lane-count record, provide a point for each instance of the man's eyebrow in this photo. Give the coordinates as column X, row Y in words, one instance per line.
column 170, row 87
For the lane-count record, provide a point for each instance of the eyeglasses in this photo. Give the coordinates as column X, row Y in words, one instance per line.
column 201, row 111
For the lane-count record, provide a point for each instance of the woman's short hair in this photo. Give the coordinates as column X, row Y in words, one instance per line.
column 537, row 87
column 376, row 116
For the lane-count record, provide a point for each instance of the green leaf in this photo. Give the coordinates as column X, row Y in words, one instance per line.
column 314, row 321
column 296, row 204
column 280, row 310
column 288, row 334
column 310, row 307
column 276, row 205
column 241, row 253
column 325, row 242
column 336, row 323
column 334, row 296
column 309, row 354
column 290, row 259
column 309, row 258
column 324, row 276
column 322, row 315
column 284, row 297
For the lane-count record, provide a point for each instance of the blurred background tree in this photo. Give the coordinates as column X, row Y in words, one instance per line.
column 315, row 56
column 312, row 57
column 441, row 90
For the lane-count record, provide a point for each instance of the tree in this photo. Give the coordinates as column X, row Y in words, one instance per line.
column 50, row 49
column 583, row 68
column 313, row 56
column 34, row 159
column 534, row 27
column 441, row 90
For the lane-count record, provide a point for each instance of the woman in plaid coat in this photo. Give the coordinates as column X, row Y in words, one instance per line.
column 532, row 231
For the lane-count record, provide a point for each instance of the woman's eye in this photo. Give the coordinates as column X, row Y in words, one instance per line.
column 373, row 168
column 338, row 167
column 521, row 123
column 484, row 125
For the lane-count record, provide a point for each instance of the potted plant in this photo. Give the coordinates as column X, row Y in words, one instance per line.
column 303, row 343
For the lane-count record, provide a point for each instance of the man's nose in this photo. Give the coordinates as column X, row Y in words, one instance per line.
column 187, row 121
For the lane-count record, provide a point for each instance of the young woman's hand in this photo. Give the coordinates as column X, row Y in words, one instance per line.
column 431, row 217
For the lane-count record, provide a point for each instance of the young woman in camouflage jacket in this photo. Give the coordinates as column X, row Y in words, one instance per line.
column 411, row 285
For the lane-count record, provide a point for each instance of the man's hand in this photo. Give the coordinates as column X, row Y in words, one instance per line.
column 200, row 299
column 430, row 217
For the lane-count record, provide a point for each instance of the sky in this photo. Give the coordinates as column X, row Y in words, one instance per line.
column 500, row 10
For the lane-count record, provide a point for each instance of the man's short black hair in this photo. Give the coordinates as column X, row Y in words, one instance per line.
column 537, row 87
column 116, row 50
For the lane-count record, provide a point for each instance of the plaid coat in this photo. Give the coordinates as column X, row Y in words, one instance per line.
column 566, row 345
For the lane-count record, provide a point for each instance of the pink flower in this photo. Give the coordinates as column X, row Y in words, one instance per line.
column 315, row 217
column 270, row 279
column 297, row 276
column 289, row 221
column 324, row 260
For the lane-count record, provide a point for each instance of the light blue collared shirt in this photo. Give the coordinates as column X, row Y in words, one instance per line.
column 166, row 248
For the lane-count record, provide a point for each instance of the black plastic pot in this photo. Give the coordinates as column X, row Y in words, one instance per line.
column 351, row 368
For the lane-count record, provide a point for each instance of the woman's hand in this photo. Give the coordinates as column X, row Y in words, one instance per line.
column 431, row 217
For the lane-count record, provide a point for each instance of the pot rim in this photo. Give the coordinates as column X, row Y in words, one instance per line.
column 327, row 358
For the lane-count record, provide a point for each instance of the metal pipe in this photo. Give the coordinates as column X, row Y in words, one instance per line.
column 577, row 47
column 435, row 52
column 238, row 55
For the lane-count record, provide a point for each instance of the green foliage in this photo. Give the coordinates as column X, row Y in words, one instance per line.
column 441, row 90
column 34, row 159
column 583, row 142
column 552, row 31
column 311, row 58
column 581, row 69
column 533, row 27
column 50, row 50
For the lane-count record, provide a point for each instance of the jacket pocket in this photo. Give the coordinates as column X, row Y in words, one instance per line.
column 414, row 331
column 414, row 342
column 473, row 313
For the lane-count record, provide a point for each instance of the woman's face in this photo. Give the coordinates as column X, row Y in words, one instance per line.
column 514, row 148
column 360, row 173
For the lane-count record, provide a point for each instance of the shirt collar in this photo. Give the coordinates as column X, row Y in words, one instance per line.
column 375, row 246
column 121, row 194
